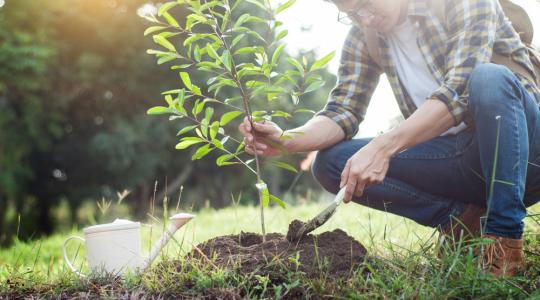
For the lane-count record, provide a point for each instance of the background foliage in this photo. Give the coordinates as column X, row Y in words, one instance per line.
column 75, row 85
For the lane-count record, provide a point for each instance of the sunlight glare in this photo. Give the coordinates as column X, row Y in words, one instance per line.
column 148, row 9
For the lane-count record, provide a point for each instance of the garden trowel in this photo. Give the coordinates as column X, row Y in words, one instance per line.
column 321, row 218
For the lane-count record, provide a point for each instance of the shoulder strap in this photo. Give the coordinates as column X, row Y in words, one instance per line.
column 509, row 8
column 520, row 20
column 372, row 44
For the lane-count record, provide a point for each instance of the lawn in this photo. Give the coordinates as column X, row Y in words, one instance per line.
column 402, row 263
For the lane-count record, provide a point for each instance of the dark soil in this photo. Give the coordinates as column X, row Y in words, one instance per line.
column 293, row 229
column 329, row 254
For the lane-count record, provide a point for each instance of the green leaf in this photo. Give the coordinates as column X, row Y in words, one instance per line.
column 158, row 110
column 199, row 36
column 198, row 107
column 314, row 86
column 321, row 63
column 172, row 21
column 187, row 142
column 241, row 20
column 282, row 34
column 202, row 152
column 257, row 3
column 186, row 129
column 157, row 52
column 304, row 110
column 225, row 20
column 216, row 142
column 168, row 34
column 281, row 114
column 223, row 160
column 186, row 80
column 285, row 6
column 228, row 117
column 164, row 42
column 208, row 114
column 285, row 166
column 184, row 66
column 237, row 39
column 277, row 53
column 226, row 59
column 153, row 29
column 166, row 6
column 297, row 64
column 278, row 201
column 169, row 100
column 204, row 128
column 256, row 35
column 246, row 50
column 165, row 59
column 240, row 147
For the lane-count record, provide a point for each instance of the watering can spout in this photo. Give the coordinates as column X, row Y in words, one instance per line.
column 176, row 222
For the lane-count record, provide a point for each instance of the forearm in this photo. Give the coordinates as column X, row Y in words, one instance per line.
column 430, row 120
column 318, row 133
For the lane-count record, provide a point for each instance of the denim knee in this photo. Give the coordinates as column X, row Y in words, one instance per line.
column 324, row 169
column 489, row 85
column 321, row 170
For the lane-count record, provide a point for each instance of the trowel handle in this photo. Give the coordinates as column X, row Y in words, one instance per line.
column 66, row 259
column 340, row 195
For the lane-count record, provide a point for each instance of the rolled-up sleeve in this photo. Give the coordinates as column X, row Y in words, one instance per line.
column 471, row 26
column 358, row 76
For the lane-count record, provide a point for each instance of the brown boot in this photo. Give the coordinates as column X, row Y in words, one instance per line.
column 466, row 226
column 503, row 257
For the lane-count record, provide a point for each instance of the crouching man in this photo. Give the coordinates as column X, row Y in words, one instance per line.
column 470, row 144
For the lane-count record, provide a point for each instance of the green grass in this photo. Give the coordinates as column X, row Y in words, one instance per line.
column 402, row 262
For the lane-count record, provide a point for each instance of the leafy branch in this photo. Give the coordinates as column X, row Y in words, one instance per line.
column 238, row 57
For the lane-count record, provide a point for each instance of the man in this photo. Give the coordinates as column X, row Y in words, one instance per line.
column 470, row 144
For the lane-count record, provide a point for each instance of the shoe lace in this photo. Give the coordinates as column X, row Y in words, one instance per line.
column 493, row 253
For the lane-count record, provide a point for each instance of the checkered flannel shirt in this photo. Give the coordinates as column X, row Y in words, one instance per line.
column 473, row 29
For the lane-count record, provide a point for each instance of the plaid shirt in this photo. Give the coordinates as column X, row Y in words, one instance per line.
column 473, row 29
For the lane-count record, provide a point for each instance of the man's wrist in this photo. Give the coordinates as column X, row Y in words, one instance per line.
column 288, row 141
column 388, row 143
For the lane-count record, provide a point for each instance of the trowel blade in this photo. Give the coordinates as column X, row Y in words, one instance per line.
column 322, row 217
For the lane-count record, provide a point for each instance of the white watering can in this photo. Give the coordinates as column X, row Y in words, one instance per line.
column 116, row 247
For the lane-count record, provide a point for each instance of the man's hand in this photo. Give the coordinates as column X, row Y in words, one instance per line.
column 370, row 164
column 268, row 141
column 366, row 167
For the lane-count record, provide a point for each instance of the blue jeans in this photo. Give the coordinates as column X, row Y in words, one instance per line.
column 434, row 181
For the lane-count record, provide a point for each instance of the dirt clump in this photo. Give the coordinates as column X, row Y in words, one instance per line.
column 332, row 253
column 294, row 227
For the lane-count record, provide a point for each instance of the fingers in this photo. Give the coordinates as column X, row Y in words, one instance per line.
column 350, row 188
column 359, row 189
column 345, row 175
column 265, row 127
column 348, row 181
column 249, row 150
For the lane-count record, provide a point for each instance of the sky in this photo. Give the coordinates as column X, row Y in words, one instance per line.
column 325, row 35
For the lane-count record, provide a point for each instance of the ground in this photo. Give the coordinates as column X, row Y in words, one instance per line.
column 401, row 263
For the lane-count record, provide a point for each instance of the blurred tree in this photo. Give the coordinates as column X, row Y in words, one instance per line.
column 74, row 86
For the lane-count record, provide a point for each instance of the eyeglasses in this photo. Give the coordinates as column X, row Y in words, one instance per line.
column 364, row 9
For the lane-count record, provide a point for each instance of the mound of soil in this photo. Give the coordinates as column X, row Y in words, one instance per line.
column 334, row 253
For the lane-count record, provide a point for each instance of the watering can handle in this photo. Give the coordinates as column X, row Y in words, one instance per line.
column 66, row 259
